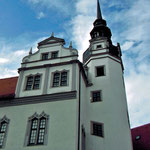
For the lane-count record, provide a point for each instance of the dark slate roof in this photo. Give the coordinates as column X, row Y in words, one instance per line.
column 8, row 87
column 141, row 137
column 51, row 40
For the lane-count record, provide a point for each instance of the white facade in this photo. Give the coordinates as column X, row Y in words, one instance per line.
column 83, row 104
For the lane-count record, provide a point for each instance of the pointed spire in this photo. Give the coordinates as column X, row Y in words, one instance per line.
column 52, row 35
column 99, row 14
column 30, row 52
column 70, row 46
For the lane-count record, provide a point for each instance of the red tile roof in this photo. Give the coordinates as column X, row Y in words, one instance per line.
column 141, row 137
column 8, row 87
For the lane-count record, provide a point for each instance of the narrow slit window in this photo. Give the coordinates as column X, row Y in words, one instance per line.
column 56, row 79
column 63, row 79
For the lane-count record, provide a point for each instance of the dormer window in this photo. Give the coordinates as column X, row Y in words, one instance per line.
column 54, row 54
column 33, row 82
column 44, row 56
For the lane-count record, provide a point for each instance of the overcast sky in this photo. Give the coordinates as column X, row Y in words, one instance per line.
column 23, row 23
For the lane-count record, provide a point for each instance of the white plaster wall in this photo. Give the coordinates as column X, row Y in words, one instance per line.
column 61, row 128
column 23, row 92
column 62, row 52
column 67, row 88
column 112, row 111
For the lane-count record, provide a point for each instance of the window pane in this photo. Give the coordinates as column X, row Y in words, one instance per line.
column 3, row 127
column 42, row 123
column 100, row 71
column 33, row 136
column 36, row 82
column 54, row 55
column 34, row 124
column 1, row 138
column 2, row 132
column 97, row 129
column 63, row 79
column 29, row 83
column 45, row 56
column 33, row 133
column 96, row 96
column 41, row 136
column 56, row 79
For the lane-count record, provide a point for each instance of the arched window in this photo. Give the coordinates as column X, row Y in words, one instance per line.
column 37, row 129
column 3, row 130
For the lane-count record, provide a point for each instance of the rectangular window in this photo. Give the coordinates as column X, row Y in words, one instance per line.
column 33, row 82
column 96, row 96
column 99, row 46
column 97, row 129
column 44, row 56
column 100, row 71
column 60, row 79
column 54, row 54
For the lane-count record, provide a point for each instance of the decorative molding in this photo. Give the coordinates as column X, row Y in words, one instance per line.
column 49, row 59
column 39, row 99
column 5, row 119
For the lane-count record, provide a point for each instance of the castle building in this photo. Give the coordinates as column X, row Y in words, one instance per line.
column 58, row 102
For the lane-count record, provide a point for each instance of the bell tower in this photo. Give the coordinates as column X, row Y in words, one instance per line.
column 107, row 124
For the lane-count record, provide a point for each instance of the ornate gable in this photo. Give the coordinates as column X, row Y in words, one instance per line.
column 51, row 40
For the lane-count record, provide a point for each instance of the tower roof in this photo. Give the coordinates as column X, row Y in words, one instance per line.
column 100, row 26
column 99, row 14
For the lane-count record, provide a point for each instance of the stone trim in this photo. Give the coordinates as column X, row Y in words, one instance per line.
column 39, row 99
column 49, row 59
column 61, row 64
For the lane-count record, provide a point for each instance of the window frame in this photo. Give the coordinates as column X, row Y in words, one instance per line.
column 5, row 120
column 33, row 85
column 44, row 54
column 54, row 52
column 96, row 71
column 92, row 129
column 60, row 78
column 92, row 92
column 29, row 129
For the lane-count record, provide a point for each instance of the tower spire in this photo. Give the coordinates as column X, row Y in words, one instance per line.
column 99, row 14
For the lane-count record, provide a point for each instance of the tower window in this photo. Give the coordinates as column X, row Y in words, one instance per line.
column 99, row 46
column 96, row 96
column 100, row 71
column 44, row 56
column 97, row 129
column 54, row 54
